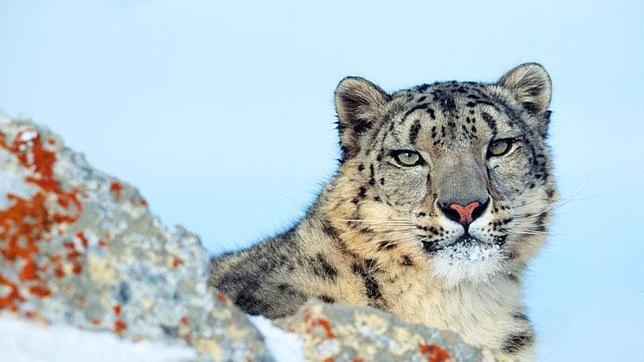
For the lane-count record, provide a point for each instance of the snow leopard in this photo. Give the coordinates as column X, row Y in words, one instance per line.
column 443, row 194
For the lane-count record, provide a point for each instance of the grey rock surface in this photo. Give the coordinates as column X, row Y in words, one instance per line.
column 342, row 333
column 80, row 247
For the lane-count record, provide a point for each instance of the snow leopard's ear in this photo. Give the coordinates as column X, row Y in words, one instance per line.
column 530, row 85
column 358, row 103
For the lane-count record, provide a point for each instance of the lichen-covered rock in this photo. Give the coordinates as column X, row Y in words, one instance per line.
column 342, row 333
column 80, row 247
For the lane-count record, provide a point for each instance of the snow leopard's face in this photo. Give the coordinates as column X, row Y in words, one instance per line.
column 457, row 172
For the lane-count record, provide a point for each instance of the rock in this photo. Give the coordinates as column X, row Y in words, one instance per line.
column 341, row 333
column 81, row 248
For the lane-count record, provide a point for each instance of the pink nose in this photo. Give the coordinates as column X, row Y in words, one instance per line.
column 465, row 212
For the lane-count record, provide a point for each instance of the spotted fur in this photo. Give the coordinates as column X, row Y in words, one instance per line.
column 380, row 233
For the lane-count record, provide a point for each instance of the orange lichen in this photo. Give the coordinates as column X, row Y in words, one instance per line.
column 116, row 189
column 177, row 262
column 11, row 297
column 221, row 297
column 328, row 359
column 96, row 321
column 326, row 325
column 21, row 226
column 119, row 326
column 33, row 155
column 39, row 291
column 72, row 252
column 81, row 235
column 318, row 322
column 59, row 272
column 29, row 271
column 29, row 221
column 184, row 320
column 435, row 353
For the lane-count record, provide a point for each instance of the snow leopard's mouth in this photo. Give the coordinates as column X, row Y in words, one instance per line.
column 463, row 241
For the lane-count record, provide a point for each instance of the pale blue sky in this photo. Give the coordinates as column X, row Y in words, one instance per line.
column 221, row 114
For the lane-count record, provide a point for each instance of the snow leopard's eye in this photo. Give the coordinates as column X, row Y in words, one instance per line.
column 499, row 147
column 407, row 158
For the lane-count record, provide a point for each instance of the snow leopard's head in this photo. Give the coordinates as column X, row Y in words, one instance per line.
column 456, row 173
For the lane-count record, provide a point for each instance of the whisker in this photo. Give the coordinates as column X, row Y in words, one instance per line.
column 394, row 239
column 556, row 204
column 531, row 232
column 374, row 221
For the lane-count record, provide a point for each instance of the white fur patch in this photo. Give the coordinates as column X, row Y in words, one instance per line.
column 476, row 262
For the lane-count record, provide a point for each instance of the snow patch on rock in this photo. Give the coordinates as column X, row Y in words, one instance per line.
column 282, row 345
column 24, row 341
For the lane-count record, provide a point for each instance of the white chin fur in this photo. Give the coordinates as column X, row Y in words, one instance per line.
column 475, row 263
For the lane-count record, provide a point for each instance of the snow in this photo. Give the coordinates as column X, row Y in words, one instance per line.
column 33, row 342
column 28, row 135
column 284, row 346
column 24, row 341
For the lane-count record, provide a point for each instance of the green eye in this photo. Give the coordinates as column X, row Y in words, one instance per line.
column 407, row 158
column 499, row 147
